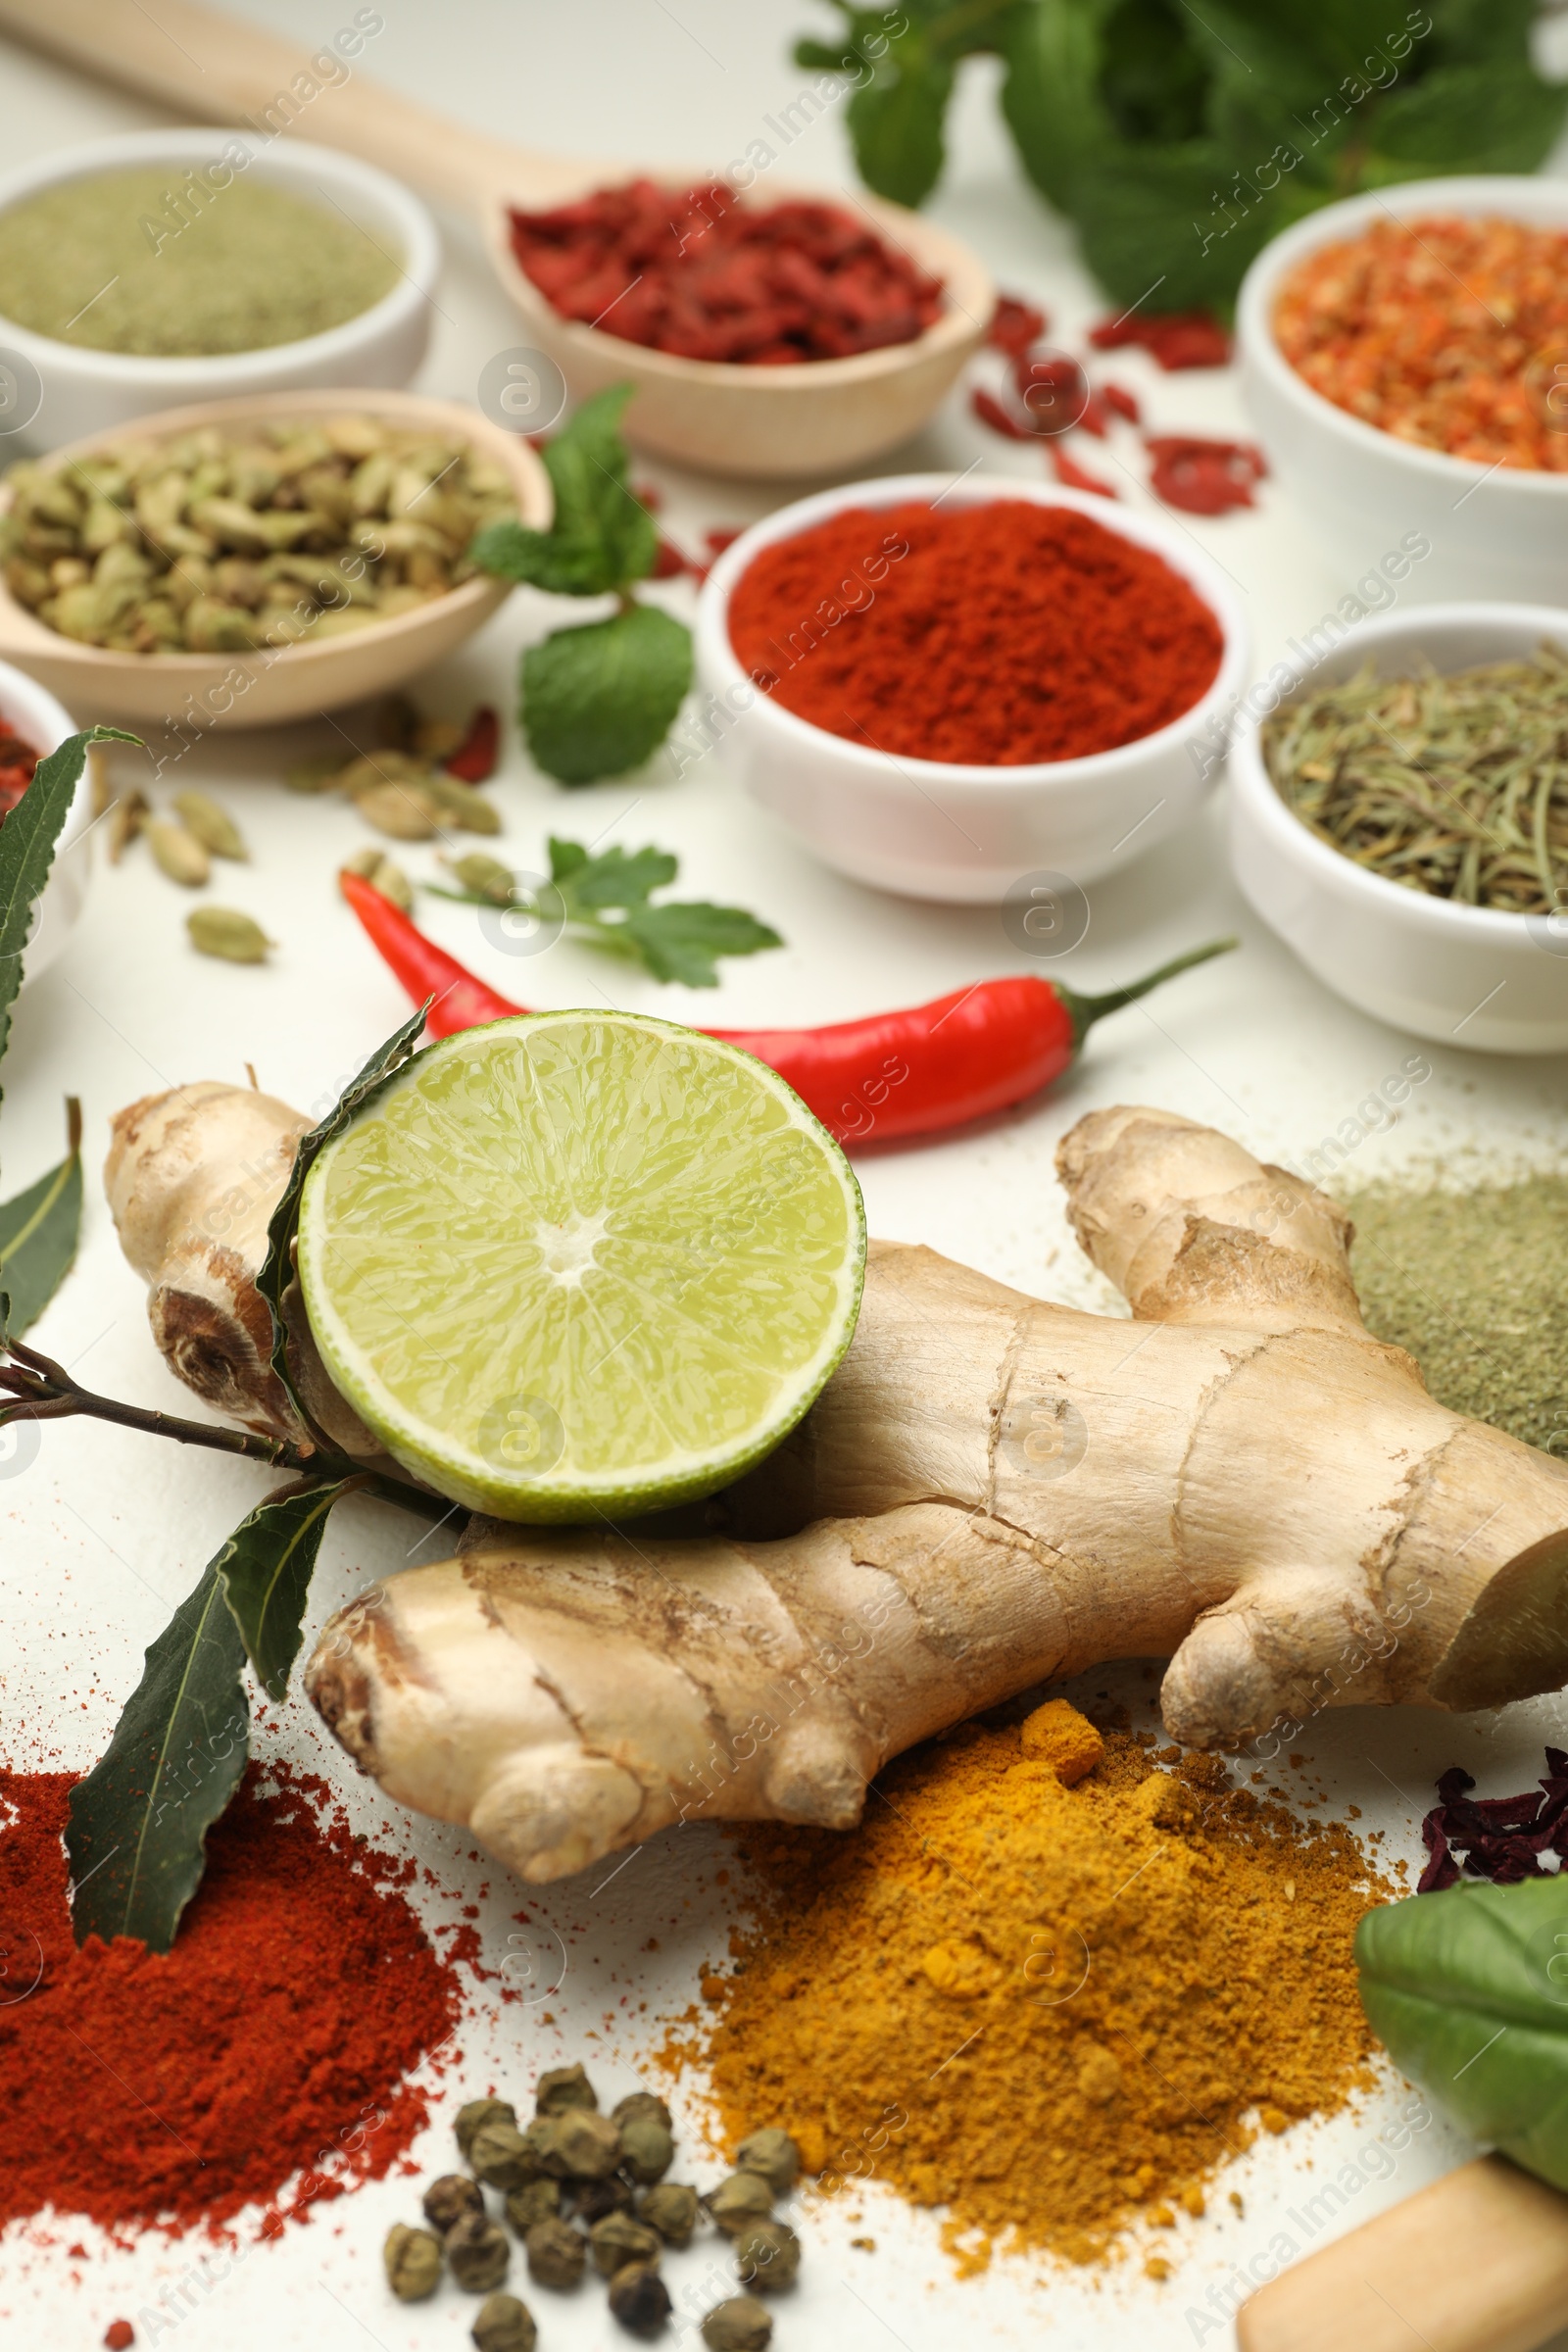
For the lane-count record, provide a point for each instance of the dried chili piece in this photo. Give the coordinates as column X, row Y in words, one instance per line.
column 1073, row 476
column 17, row 761
column 990, row 410
column 1014, row 326
column 474, row 759
column 668, row 561
column 1121, row 403
column 1204, row 476
column 1172, row 338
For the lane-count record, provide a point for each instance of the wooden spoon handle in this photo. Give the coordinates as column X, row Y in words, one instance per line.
column 1476, row 2263
column 217, row 68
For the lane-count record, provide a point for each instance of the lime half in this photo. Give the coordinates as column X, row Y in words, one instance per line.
column 581, row 1264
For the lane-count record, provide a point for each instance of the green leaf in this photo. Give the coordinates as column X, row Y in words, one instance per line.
column 27, row 839
column 682, row 941
column 566, row 858
column 598, row 700
column 38, row 1235
column 277, row 1269
column 1054, row 55
column 1153, row 80
column 616, row 879
column 1468, row 1990
column 895, row 121
column 1496, row 117
column 138, row 1831
column 602, row 538
column 265, row 1569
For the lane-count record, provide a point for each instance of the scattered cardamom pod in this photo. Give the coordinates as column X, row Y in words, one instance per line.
column 558, row 2254
column 448, row 2199
column 319, row 774
column 125, row 819
column 412, row 2259
column 487, row 878
column 767, row 2256
column 744, row 2198
column 479, row 2253
column 461, row 805
column 671, row 2210
column 739, row 2325
column 403, row 812
column 773, row 2154
column 179, row 854
column 223, row 931
column 213, row 826
column 476, row 2111
column 619, row 2239
column 504, row 2325
column 639, row 2298
column 372, row 865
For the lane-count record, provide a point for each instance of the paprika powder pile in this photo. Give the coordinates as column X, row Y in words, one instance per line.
column 267, row 2052
column 993, row 635
column 695, row 272
column 1055, row 2009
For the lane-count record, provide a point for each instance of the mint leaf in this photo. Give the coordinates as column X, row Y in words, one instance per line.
column 896, row 121
column 600, row 700
column 38, row 1235
column 682, row 942
column 138, row 1832
column 1493, row 117
column 1053, row 56
column 602, row 538
column 265, row 1568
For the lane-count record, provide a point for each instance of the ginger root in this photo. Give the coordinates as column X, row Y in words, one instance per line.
column 991, row 1493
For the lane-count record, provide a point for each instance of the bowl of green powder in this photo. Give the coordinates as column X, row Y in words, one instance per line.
column 170, row 266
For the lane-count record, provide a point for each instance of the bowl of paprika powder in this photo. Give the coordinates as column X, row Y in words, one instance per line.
column 942, row 688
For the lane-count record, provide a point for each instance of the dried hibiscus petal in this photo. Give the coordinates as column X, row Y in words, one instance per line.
column 1500, row 1837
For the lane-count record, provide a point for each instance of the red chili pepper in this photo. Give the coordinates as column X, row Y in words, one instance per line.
column 475, row 755
column 882, row 1079
column 1073, row 476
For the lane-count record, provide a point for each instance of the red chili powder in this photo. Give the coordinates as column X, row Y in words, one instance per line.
column 992, row 635
column 693, row 271
column 174, row 2089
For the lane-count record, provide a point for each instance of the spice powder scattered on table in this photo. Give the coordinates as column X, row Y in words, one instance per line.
column 1053, row 2009
column 997, row 635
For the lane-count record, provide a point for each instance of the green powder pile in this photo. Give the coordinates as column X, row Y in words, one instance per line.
column 1475, row 1286
column 148, row 261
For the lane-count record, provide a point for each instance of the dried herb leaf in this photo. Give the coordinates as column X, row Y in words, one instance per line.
column 265, row 1569
column 38, row 1235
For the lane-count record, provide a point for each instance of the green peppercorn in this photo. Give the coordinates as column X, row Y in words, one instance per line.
column 500, row 2154
column 448, row 2199
column 671, row 2210
column 642, row 2102
column 774, row 2155
column 481, row 2111
column 767, row 2257
column 412, row 2259
column 478, row 2252
column 563, row 2086
column 739, row 2325
column 619, row 2239
column 744, row 2198
column 583, row 2145
column 557, row 2254
column 639, row 2298
column 504, row 2325
column 647, row 2149
column 536, row 2201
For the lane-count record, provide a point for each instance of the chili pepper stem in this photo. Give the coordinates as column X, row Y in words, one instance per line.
column 1084, row 1011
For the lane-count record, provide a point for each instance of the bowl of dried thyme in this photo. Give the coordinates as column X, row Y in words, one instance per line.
column 1402, row 821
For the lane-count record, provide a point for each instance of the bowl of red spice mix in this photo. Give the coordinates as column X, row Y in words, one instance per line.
column 32, row 724
column 943, row 687
column 769, row 331
column 1405, row 358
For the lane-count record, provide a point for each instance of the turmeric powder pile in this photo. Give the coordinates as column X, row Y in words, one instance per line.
column 1053, row 2009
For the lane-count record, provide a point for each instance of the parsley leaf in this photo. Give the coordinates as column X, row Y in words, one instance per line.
column 602, row 538
column 598, row 700
column 681, row 942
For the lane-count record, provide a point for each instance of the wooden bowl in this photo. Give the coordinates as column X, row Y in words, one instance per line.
column 268, row 687
column 768, row 424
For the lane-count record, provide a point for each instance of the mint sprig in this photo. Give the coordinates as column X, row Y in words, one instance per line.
column 605, row 900
column 600, row 698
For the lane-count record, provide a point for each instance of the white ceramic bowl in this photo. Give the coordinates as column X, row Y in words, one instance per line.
column 32, row 713
column 1502, row 532
column 935, row 829
column 1464, row 976
column 72, row 391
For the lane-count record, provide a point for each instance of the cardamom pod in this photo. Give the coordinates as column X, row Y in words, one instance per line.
column 405, row 811
column 463, row 806
column 213, row 826
column 222, row 931
column 485, row 876
column 372, row 865
column 179, row 854
column 127, row 817
column 321, row 774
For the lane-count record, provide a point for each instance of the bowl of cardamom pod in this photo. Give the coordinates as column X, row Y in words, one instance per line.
column 167, row 267
column 243, row 562
column 1399, row 815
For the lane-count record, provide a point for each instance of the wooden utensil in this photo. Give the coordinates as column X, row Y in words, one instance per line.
column 188, row 691
column 1476, row 2263
column 773, row 423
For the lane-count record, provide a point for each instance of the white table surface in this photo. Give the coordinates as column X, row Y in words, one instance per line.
column 105, row 1530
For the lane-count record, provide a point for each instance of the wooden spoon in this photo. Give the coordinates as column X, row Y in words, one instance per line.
column 773, row 423
column 1476, row 2263
column 189, row 692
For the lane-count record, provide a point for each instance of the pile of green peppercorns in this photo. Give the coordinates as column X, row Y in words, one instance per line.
column 580, row 2188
